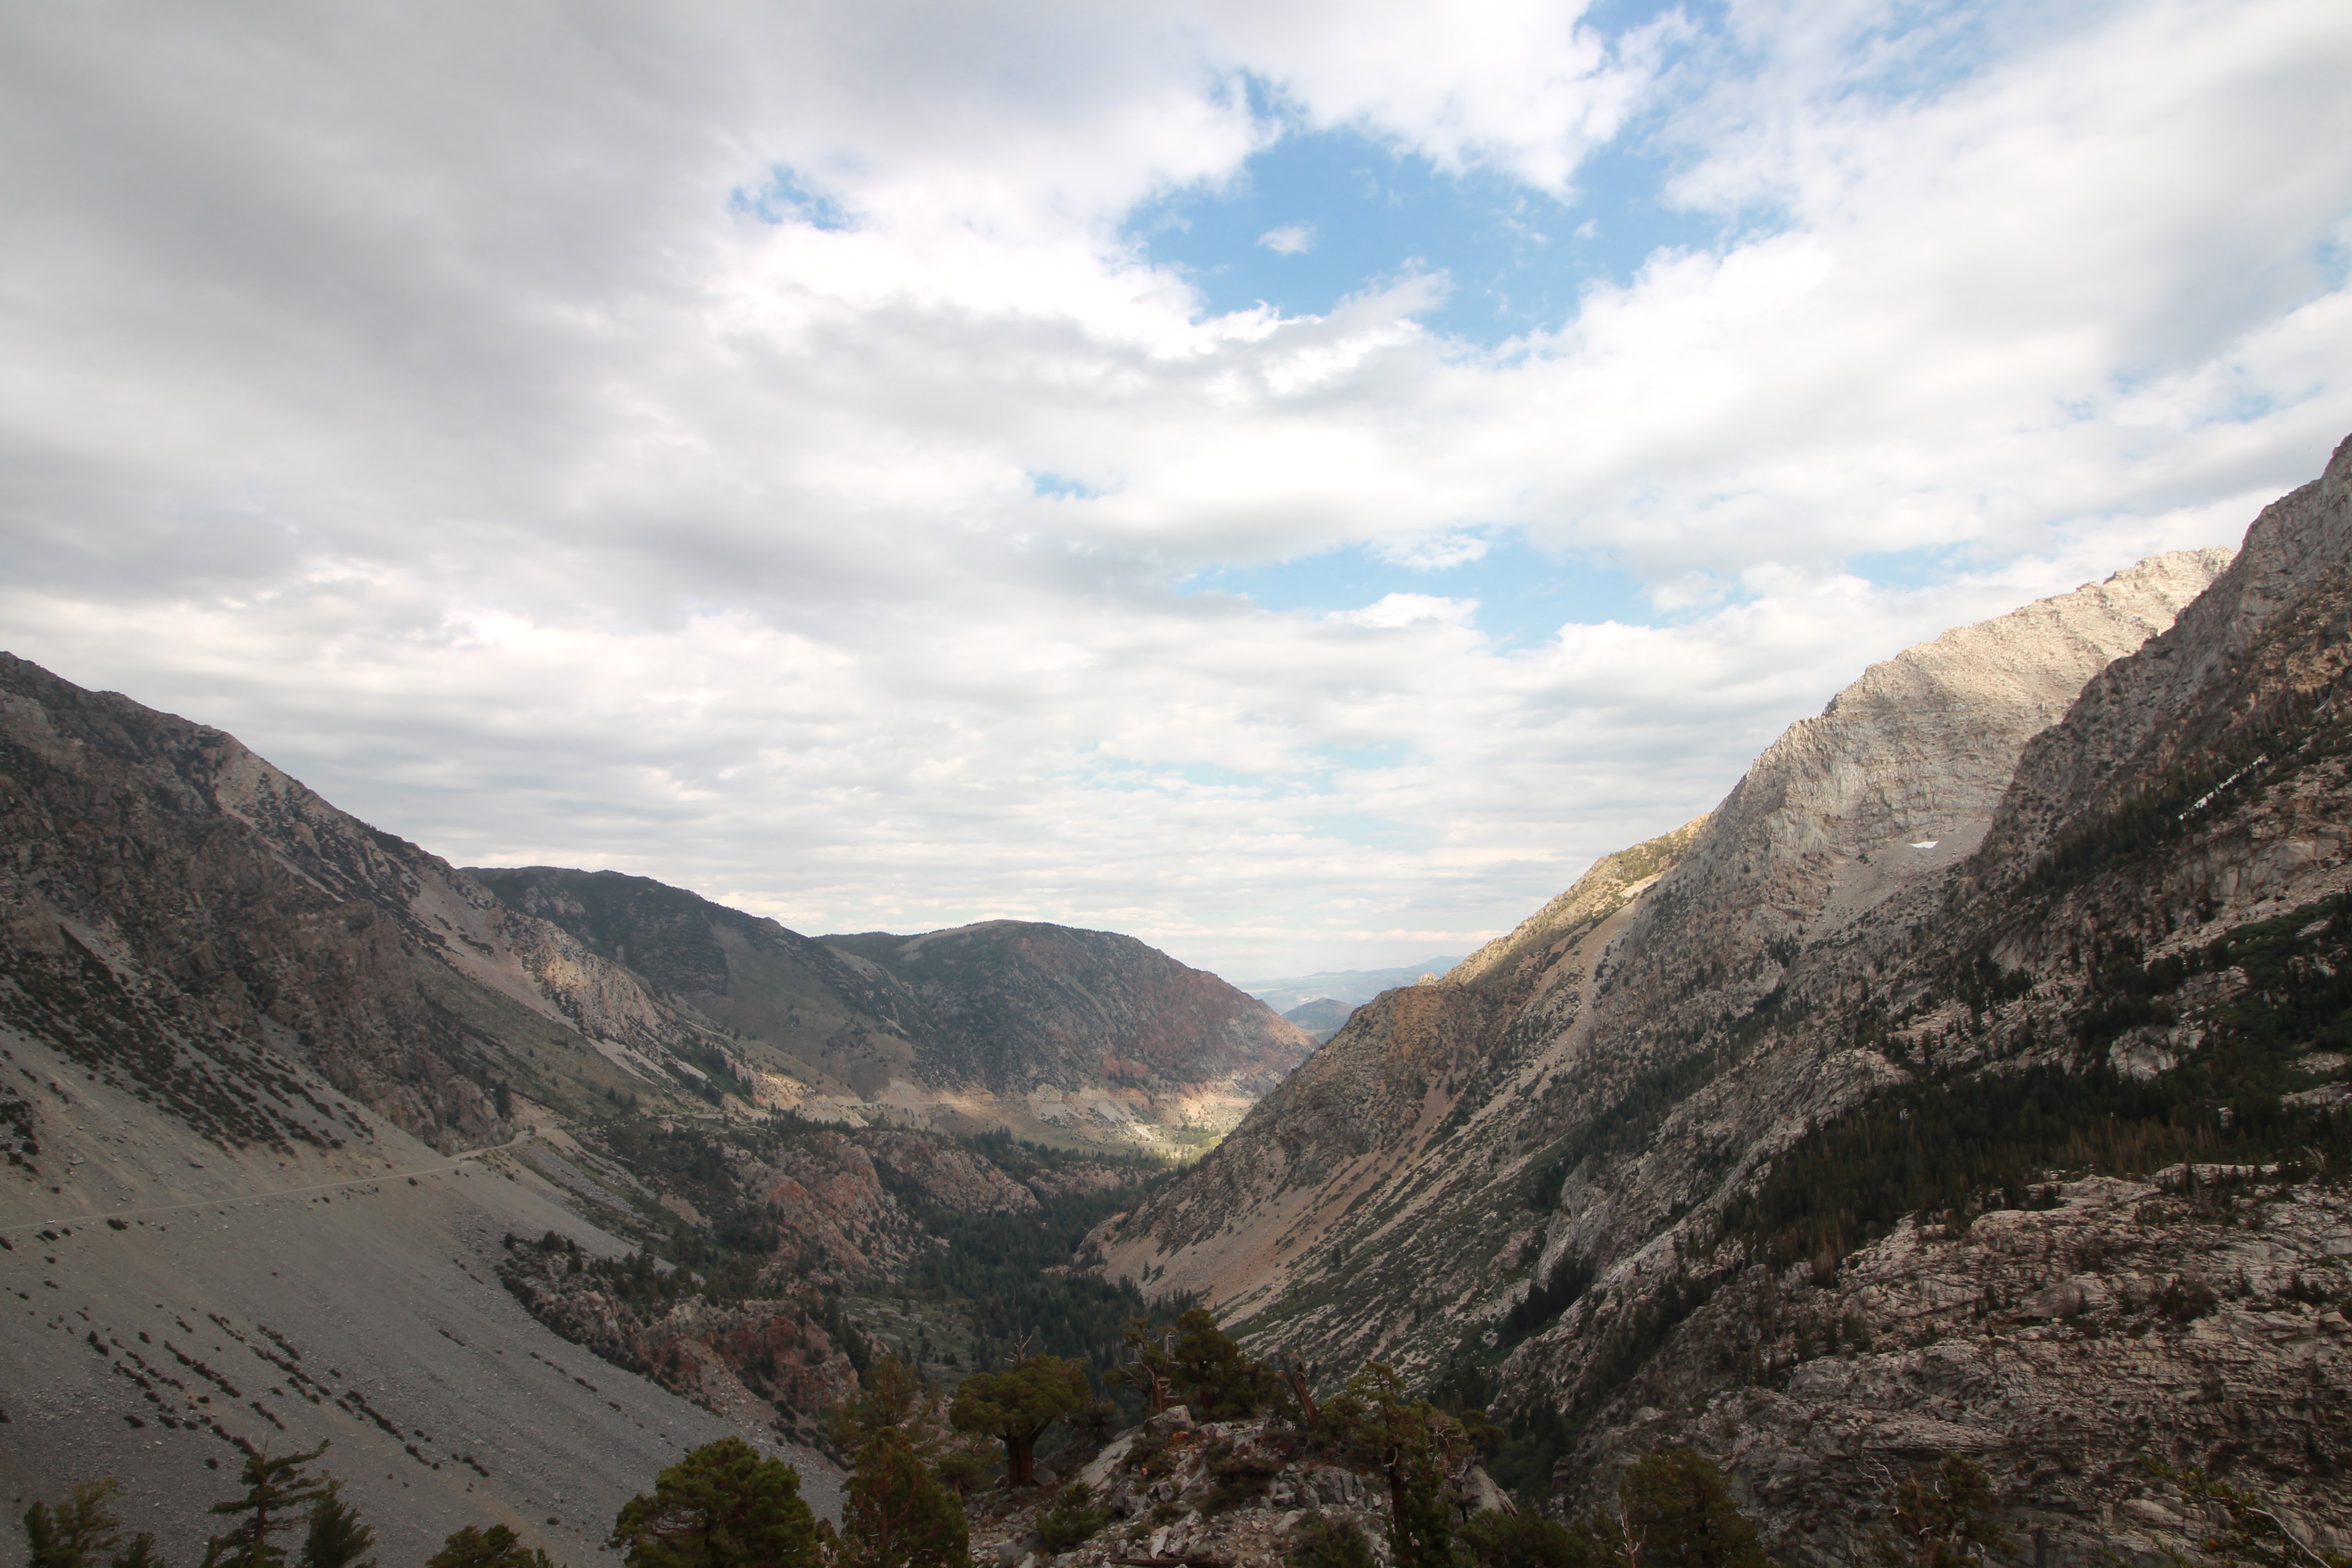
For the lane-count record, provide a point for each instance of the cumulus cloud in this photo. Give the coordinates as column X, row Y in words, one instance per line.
column 1523, row 84
column 617, row 439
column 1290, row 240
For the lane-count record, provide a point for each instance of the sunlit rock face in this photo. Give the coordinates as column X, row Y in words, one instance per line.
column 1377, row 1183
column 2097, row 838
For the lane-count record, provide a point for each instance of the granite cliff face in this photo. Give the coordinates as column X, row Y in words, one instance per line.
column 1406, row 1142
column 2129, row 994
column 1959, row 1084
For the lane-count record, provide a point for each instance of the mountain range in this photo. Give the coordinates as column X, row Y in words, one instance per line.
column 1970, row 1080
column 275, row 1083
column 1975, row 1080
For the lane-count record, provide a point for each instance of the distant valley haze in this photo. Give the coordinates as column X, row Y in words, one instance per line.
column 1294, row 484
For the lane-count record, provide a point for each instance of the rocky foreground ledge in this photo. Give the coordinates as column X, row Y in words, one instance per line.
column 1217, row 1494
column 2059, row 1343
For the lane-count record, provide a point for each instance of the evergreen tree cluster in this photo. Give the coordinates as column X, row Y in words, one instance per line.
column 284, row 1518
column 1950, row 1148
column 996, row 1267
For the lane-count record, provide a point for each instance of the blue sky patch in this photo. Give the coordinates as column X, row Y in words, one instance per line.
column 787, row 198
column 1045, row 483
column 1524, row 596
column 1322, row 215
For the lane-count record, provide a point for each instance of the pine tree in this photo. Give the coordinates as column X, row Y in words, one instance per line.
column 1413, row 1446
column 1147, row 1372
column 1679, row 1505
column 891, row 1396
column 1500, row 1540
column 896, row 1514
column 1333, row 1542
column 276, row 1493
column 1212, row 1372
column 1942, row 1521
column 722, row 1506
column 1074, row 1516
column 1017, row 1406
column 82, row 1533
column 497, row 1547
column 336, row 1538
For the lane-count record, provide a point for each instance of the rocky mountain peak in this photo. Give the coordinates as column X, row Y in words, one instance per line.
column 1936, row 1048
column 1896, row 779
column 1338, row 1172
column 2243, row 648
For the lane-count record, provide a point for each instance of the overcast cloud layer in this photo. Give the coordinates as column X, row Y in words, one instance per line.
column 763, row 449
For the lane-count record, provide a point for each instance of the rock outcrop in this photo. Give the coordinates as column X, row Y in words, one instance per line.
column 2190, row 1317
column 760, row 1363
column 1240, row 1494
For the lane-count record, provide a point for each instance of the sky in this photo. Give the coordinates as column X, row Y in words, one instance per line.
column 1293, row 482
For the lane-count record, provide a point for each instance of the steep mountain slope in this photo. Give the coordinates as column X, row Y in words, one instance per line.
column 185, row 917
column 2132, row 982
column 1324, row 1222
column 173, row 1304
column 233, row 1020
column 188, row 912
column 218, row 992
column 1065, row 1035
column 815, row 1030
column 1268, row 1225
column 1953, row 1091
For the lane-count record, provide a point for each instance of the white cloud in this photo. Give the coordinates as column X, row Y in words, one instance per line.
column 1396, row 610
column 1290, row 240
column 402, row 391
column 1523, row 84
column 1437, row 553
